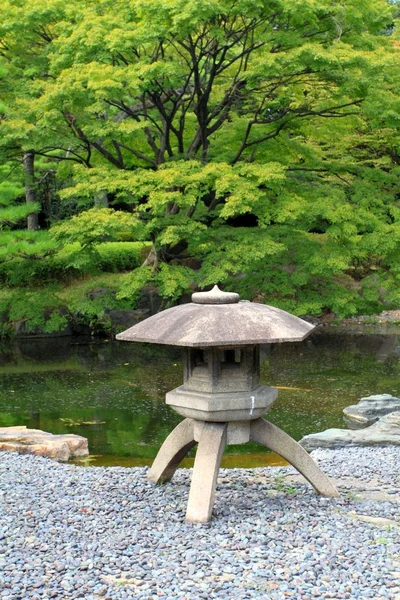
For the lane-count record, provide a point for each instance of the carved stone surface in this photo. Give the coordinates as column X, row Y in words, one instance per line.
column 221, row 397
column 369, row 410
column 385, row 432
column 236, row 323
column 220, row 407
column 212, row 439
column 205, row 472
column 267, row 434
column 42, row 443
column 215, row 296
column 172, row 452
column 223, row 370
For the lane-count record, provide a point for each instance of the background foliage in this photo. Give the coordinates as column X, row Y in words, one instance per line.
column 172, row 145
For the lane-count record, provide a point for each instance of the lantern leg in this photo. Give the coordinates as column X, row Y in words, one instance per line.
column 211, row 447
column 265, row 433
column 172, row 452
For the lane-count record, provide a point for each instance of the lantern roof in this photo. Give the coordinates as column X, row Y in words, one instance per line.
column 218, row 318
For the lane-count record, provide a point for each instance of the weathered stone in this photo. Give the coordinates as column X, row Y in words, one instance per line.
column 369, row 410
column 215, row 296
column 265, row 433
column 205, row 472
column 125, row 318
column 198, row 325
column 220, row 407
column 385, row 432
column 42, row 443
column 378, row 521
column 222, row 398
column 172, row 452
column 150, row 299
column 238, row 432
column 212, row 439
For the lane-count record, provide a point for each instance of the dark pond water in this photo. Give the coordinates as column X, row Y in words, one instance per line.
column 113, row 392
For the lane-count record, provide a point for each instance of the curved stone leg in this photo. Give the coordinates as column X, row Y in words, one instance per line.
column 265, row 433
column 205, row 472
column 172, row 452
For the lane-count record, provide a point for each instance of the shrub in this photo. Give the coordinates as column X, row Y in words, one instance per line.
column 121, row 256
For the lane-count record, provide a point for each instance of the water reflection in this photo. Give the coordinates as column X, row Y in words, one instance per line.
column 58, row 385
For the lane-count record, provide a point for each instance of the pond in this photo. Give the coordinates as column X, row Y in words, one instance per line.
column 113, row 392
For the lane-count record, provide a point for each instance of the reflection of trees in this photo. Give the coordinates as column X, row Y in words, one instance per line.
column 140, row 434
column 93, row 382
column 337, row 369
column 68, row 352
column 10, row 420
column 381, row 346
column 34, row 419
column 134, row 423
column 324, row 355
column 151, row 380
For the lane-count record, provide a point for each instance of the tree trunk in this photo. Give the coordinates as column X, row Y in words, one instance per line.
column 152, row 259
column 30, row 188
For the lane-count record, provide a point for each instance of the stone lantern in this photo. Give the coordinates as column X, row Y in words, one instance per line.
column 221, row 397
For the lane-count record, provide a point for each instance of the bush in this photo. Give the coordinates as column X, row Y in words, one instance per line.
column 39, row 308
column 121, row 256
column 72, row 262
column 109, row 257
column 48, row 309
column 30, row 272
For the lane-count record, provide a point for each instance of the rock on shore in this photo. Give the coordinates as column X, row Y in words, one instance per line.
column 375, row 420
column 386, row 431
column 369, row 410
column 42, row 443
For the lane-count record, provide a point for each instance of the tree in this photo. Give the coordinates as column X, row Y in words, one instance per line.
column 25, row 41
column 222, row 128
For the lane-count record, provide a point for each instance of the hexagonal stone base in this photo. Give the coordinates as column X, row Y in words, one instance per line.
column 222, row 407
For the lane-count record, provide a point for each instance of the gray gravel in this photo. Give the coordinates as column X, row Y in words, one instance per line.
column 68, row 532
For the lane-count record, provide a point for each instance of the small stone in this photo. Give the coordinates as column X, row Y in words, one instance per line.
column 272, row 546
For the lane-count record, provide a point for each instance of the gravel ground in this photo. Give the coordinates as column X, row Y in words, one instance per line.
column 69, row 532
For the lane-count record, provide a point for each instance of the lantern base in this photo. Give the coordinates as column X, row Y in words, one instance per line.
column 212, row 439
column 222, row 407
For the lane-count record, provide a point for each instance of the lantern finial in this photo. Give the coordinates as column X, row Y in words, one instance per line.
column 215, row 296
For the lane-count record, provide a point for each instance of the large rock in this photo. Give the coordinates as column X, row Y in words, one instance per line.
column 385, row 432
column 369, row 410
column 121, row 319
column 42, row 443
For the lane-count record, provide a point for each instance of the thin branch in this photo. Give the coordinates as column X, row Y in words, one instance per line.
column 138, row 154
column 119, row 153
column 319, row 170
column 60, row 158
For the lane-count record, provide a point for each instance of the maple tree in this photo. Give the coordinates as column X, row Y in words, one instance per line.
column 255, row 144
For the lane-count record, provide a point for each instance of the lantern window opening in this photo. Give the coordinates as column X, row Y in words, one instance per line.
column 198, row 360
column 232, row 356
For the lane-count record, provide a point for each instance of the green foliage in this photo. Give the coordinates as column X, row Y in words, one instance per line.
column 13, row 210
column 94, row 226
column 25, row 244
column 171, row 281
column 51, row 308
column 121, row 256
column 89, row 302
column 39, row 308
column 255, row 145
column 41, row 262
column 83, row 235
